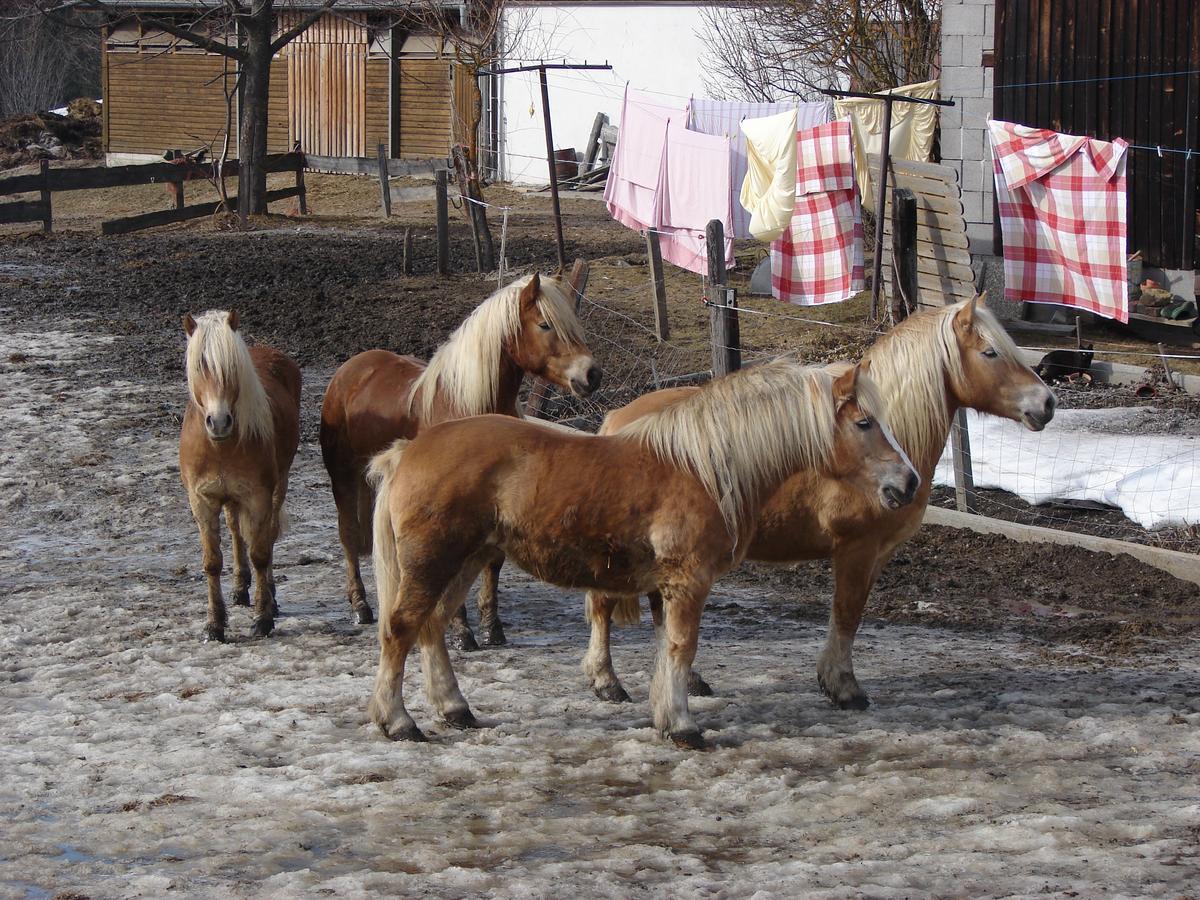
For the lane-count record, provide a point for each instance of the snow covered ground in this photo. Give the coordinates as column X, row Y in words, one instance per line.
column 135, row 760
column 1088, row 454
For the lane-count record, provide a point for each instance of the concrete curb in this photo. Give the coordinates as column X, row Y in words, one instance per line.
column 1185, row 566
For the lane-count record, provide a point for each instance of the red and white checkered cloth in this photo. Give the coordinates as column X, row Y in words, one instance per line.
column 819, row 258
column 1062, row 215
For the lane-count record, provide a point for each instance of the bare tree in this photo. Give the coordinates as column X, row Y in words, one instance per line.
column 39, row 64
column 769, row 50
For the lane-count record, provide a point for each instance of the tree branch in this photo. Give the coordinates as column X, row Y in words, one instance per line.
column 307, row 22
column 186, row 34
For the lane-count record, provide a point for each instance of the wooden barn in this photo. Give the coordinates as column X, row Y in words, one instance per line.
column 352, row 81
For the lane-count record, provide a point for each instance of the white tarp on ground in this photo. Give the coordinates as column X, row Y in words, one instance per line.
column 1153, row 478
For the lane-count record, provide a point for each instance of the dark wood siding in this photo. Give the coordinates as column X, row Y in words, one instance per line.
column 424, row 108
column 155, row 103
column 278, row 140
column 1095, row 67
column 378, row 97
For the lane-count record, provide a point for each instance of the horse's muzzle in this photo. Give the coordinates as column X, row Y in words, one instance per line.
column 894, row 497
column 1037, row 419
column 585, row 388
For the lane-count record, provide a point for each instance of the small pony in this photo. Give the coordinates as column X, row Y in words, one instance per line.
column 668, row 505
column 238, row 440
column 377, row 397
column 927, row 368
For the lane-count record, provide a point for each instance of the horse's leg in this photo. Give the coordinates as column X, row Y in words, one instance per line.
column 347, row 492
column 459, row 632
column 855, row 569
column 262, row 528
column 491, row 629
column 697, row 686
column 597, row 664
column 208, row 520
column 678, row 636
column 401, row 619
column 241, row 561
column 441, row 687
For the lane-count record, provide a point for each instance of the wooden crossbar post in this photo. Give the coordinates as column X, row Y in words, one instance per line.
column 722, row 313
column 440, row 179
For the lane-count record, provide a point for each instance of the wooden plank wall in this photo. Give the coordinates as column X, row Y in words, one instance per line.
column 464, row 97
column 424, row 108
column 327, row 86
column 378, row 96
column 154, row 103
column 278, row 139
column 1066, row 54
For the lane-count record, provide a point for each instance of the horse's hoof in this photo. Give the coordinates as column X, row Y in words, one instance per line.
column 613, row 693
column 857, row 702
column 408, row 733
column 689, row 740
column 274, row 609
column 213, row 633
column 362, row 615
column 462, row 640
column 461, row 718
column 262, row 628
column 493, row 636
column 241, row 598
column 698, row 687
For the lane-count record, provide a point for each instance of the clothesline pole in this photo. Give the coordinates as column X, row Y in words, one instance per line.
column 880, row 196
column 541, row 68
column 888, row 100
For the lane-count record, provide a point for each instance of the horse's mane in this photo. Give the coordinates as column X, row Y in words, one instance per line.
column 740, row 433
column 912, row 364
column 467, row 367
column 218, row 352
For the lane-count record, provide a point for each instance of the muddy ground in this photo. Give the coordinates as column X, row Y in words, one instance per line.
column 1034, row 726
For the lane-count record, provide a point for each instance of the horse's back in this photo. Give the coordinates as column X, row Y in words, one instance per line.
column 643, row 406
column 366, row 405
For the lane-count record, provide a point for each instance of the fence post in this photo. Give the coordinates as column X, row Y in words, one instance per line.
column 303, row 191
column 964, row 475
column 440, row 179
column 722, row 313
column 385, row 189
column 657, row 284
column 905, row 290
column 406, row 261
column 47, row 219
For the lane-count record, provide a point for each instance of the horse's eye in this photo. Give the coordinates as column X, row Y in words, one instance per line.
column 990, row 353
column 545, row 326
column 864, row 424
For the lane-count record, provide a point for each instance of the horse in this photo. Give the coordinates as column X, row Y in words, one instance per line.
column 668, row 505
column 927, row 368
column 377, row 397
column 236, row 446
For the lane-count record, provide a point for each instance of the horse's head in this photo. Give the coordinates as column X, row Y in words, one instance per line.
column 550, row 342
column 992, row 378
column 215, row 395
column 865, row 453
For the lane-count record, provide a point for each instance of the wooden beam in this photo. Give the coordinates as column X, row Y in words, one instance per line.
column 722, row 313
column 23, row 211
column 658, row 285
column 441, row 179
column 385, row 189
column 168, row 216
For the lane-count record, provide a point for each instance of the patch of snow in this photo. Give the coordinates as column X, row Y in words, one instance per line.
column 1154, row 479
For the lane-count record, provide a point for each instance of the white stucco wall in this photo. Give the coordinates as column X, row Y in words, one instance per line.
column 654, row 47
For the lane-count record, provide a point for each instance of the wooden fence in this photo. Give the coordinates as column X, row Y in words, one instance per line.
column 175, row 175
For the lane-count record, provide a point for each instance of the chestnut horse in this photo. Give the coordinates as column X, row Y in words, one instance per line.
column 236, row 447
column 668, row 505
column 927, row 367
column 378, row 397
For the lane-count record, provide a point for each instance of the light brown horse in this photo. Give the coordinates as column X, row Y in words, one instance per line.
column 669, row 505
column 378, row 397
column 238, row 440
column 927, row 368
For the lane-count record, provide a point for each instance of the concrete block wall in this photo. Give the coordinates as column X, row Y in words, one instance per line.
column 968, row 27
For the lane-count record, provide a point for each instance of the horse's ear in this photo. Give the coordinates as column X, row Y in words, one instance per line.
column 845, row 386
column 965, row 317
column 234, row 321
column 529, row 293
column 189, row 324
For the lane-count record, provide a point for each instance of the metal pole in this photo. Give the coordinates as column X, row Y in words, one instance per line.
column 562, row 253
column 880, row 195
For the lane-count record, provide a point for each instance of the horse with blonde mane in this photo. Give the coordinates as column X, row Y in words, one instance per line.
column 377, row 397
column 236, row 446
column 668, row 505
column 927, row 368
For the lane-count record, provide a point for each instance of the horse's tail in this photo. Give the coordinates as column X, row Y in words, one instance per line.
column 626, row 612
column 380, row 473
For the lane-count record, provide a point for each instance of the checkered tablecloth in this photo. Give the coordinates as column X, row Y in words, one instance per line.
column 1062, row 216
column 819, row 258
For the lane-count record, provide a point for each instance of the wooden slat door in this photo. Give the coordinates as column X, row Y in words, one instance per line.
column 327, row 86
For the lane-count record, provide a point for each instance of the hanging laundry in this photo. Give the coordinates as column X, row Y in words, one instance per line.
column 819, row 258
column 636, row 172
column 913, row 128
column 724, row 117
column 695, row 191
column 768, row 192
column 1062, row 217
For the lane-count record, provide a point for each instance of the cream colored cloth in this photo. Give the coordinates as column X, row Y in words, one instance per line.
column 913, row 126
column 769, row 188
